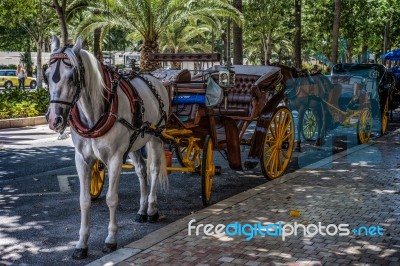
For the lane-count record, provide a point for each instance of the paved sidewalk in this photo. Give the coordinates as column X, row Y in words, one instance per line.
column 359, row 187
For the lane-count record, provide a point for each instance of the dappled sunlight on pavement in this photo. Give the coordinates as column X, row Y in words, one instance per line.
column 360, row 190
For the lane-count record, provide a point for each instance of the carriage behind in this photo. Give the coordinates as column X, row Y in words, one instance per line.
column 196, row 128
column 368, row 87
column 357, row 95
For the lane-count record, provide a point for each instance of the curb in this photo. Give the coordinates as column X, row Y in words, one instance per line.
column 120, row 255
column 22, row 122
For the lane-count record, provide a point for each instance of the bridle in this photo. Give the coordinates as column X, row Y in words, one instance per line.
column 79, row 75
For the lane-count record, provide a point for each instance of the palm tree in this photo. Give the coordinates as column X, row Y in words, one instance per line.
column 150, row 19
column 95, row 7
column 238, row 37
column 189, row 38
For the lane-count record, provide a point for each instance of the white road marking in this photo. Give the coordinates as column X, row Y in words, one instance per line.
column 64, row 183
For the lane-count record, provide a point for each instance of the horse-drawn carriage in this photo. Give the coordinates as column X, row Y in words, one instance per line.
column 196, row 128
column 113, row 116
column 371, row 81
column 354, row 95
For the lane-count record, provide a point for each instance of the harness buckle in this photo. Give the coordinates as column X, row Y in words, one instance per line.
column 114, row 86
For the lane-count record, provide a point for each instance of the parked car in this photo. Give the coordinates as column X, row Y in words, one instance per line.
column 9, row 79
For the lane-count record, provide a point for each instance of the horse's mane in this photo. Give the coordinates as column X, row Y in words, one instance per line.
column 93, row 76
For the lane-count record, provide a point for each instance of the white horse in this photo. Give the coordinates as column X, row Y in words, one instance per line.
column 107, row 125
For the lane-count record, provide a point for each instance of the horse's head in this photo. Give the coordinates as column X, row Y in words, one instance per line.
column 64, row 79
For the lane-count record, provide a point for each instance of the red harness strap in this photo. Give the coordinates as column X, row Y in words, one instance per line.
column 107, row 120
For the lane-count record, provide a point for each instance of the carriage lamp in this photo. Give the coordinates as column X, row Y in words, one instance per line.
column 226, row 79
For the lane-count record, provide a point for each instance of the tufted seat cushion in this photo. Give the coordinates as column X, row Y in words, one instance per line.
column 240, row 97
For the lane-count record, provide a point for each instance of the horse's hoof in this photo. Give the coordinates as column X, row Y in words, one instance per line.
column 140, row 218
column 110, row 248
column 154, row 218
column 80, row 253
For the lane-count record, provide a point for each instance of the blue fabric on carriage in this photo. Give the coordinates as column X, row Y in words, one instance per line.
column 189, row 99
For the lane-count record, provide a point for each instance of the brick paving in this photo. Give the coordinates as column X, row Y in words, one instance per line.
column 361, row 188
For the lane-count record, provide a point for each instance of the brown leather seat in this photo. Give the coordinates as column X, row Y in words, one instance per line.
column 240, row 97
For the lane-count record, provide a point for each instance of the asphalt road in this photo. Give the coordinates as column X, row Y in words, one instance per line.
column 39, row 200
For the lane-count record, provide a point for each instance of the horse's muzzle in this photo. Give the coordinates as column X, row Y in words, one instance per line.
column 57, row 117
column 58, row 124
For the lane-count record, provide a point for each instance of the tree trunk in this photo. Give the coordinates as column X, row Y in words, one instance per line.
column 335, row 32
column 225, row 43
column 237, row 37
column 29, row 68
column 39, row 75
column 149, row 47
column 262, row 59
column 364, row 53
column 96, row 45
column 349, row 51
column 386, row 38
column 60, row 9
column 297, row 38
column 268, row 49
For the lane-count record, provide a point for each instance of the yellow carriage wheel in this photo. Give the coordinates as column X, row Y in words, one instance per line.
column 207, row 170
column 278, row 144
column 97, row 179
column 364, row 127
column 385, row 119
column 309, row 125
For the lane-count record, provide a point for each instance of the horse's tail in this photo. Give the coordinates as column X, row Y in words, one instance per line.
column 153, row 154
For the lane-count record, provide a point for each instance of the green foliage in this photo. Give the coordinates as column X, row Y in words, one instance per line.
column 8, row 66
column 150, row 18
column 186, row 37
column 21, row 103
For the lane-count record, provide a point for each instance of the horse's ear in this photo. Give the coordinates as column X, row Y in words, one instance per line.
column 55, row 44
column 78, row 46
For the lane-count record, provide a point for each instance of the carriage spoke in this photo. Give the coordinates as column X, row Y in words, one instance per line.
column 276, row 125
column 284, row 153
column 284, row 124
column 272, row 134
column 271, row 156
column 270, row 164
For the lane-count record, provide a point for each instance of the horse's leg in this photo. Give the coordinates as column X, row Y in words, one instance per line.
column 140, row 168
column 158, row 173
column 84, row 169
column 301, row 110
column 114, row 170
column 319, row 117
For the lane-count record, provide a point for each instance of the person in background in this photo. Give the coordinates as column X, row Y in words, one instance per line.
column 21, row 77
